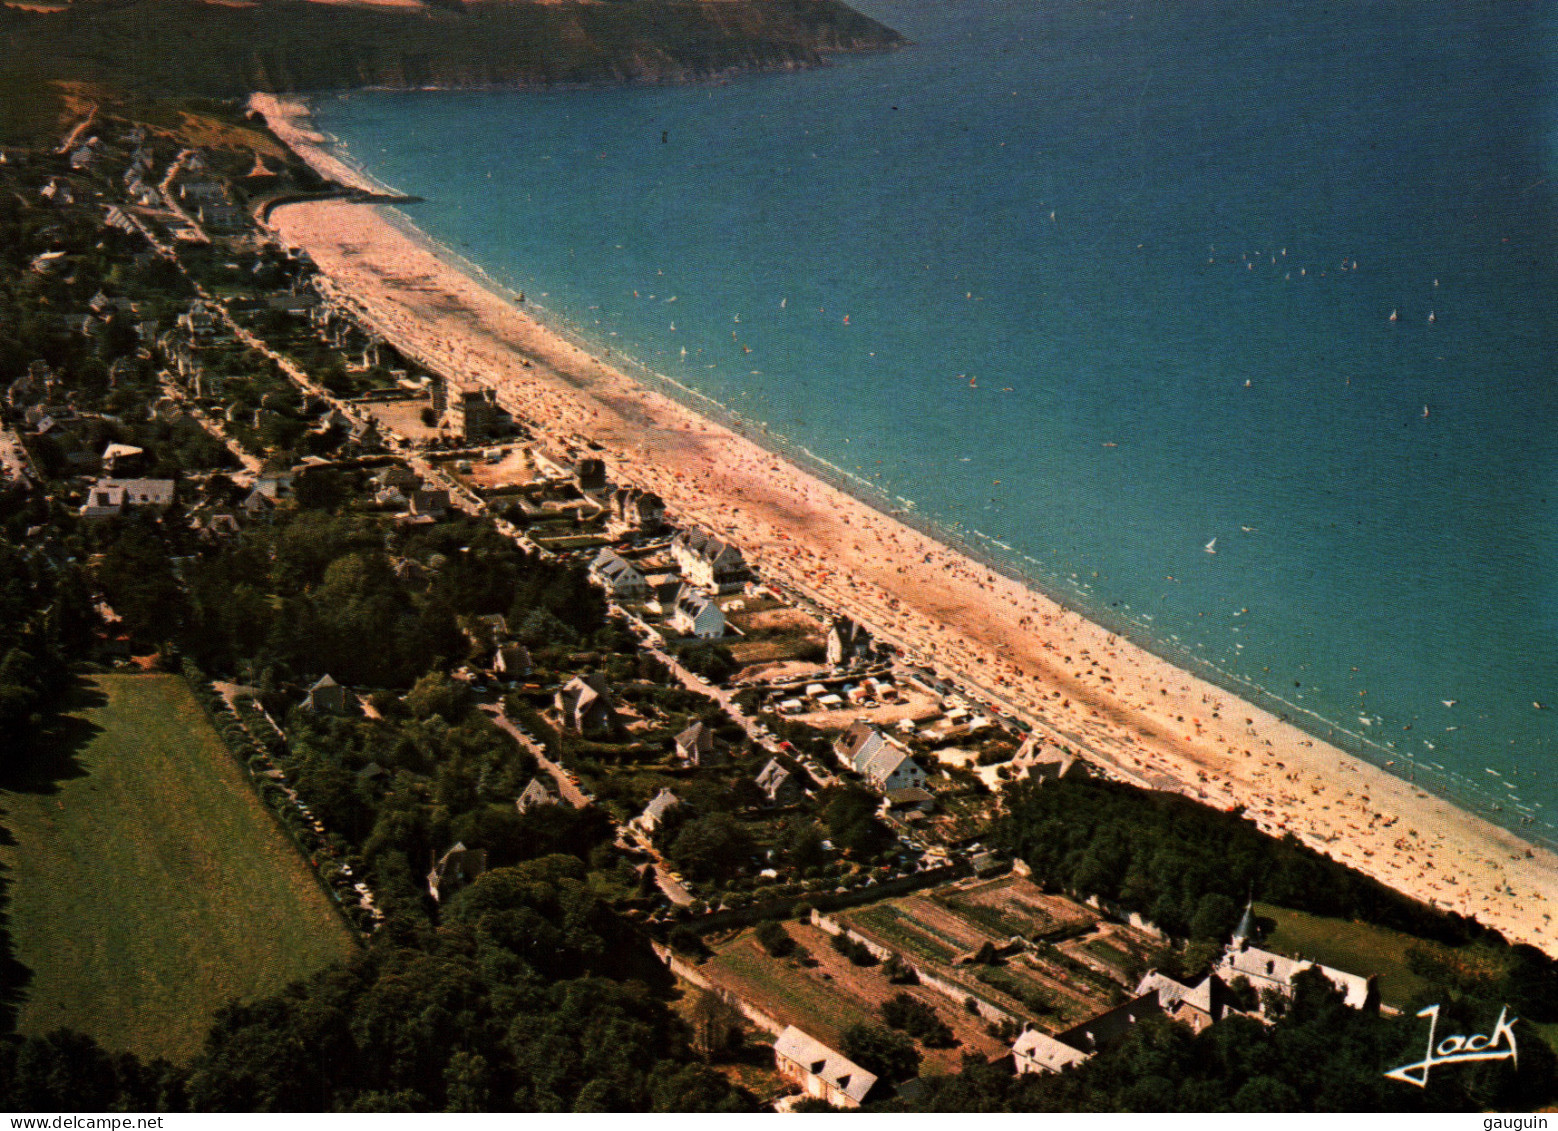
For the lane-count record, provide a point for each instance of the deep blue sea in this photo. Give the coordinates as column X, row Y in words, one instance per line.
column 1090, row 284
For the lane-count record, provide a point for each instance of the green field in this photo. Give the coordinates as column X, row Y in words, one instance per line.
column 787, row 993
column 146, row 883
column 913, row 938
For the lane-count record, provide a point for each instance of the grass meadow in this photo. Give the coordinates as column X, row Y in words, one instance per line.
column 146, row 884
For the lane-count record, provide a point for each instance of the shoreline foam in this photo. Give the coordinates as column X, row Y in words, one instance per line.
column 1154, row 723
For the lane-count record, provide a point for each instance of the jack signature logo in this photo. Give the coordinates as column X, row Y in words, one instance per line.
column 1457, row 1049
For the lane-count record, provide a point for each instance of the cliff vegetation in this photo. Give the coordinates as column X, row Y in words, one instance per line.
column 161, row 48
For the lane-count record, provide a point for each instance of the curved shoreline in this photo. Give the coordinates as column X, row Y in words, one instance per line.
column 1156, row 724
column 1444, row 784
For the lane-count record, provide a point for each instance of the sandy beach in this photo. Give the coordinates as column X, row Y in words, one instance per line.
column 1149, row 722
column 289, row 120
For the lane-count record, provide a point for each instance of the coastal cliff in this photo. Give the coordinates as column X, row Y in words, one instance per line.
column 189, row 47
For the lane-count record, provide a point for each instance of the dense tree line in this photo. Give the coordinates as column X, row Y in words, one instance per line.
column 1189, row 869
column 46, row 623
column 528, row 998
column 317, row 593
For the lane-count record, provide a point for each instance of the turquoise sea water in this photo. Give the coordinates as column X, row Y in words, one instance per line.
column 1136, row 262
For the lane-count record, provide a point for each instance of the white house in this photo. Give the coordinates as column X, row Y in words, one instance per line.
column 779, row 784
column 618, row 576
column 893, row 768
column 655, row 811
column 709, row 562
column 635, row 511
column 454, row 869
column 879, row 759
column 534, row 796
column 1039, row 1052
column 847, row 642
column 696, row 614
column 109, row 497
column 1044, row 761
column 1265, row 970
column 696, row 746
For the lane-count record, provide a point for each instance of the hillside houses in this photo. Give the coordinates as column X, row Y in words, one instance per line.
column 535, row 795
column 470, row 410
column 512, row 661
column 779, row 785
column 586, row 473
column 454, row 870
column 1038, row 1052
column 199, row 325
column 1198, row 1007
column 1267, row 971
column 37, row 385
column 696, row 746
column 878, row 758
column 551, row 463
column 123, row 459
column 326, row 697
column 656, row 811
column 426, row 506
column 709, row 563
column 1043, row 761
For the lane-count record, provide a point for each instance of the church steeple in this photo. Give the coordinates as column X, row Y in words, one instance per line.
column 1245, row 931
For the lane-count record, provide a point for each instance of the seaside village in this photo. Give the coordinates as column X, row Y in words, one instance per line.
column 792, row 810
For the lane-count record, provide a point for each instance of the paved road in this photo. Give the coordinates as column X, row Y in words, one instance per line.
column 75, row 135
column 165, row 189
column 674, row 891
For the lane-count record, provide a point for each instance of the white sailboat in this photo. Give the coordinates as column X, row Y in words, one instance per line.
column 1211, row 547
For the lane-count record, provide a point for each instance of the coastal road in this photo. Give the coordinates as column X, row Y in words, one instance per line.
column 75, row 135
column 165, row 189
